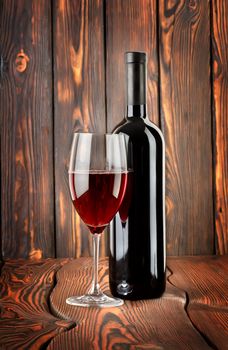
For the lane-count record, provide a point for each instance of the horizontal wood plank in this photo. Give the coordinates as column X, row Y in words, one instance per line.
column 205, row 280
column 25, row 318
column 147, row 324
column 191, row 314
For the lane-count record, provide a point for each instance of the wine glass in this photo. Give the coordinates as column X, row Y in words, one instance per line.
column 98, row 174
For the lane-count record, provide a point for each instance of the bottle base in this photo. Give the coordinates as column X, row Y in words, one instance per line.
column 136, row 292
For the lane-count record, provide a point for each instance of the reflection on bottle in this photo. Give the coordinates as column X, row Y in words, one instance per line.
column 121, row 248
column 125, row 205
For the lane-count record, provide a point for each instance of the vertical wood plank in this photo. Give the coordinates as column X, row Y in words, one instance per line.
column 26, row 129
column 130, row 26
column 220, row 110
column 186, row 118
column 79, row 104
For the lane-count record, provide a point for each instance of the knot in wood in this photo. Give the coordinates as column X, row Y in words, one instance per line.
column 21, row 61
column 193, row 4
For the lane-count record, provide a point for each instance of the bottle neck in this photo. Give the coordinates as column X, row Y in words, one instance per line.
column 136, row 111
column 136, row 89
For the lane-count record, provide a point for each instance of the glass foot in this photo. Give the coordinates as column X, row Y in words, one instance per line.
column 100, row 300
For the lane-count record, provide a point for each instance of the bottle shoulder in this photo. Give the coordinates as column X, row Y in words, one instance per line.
column 155, row 129
column 139, row 128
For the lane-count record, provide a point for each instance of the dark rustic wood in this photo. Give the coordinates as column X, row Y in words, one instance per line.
column 151, row 324
column 205, row 280
column 84, row 32
column 26, row 129
column 131, row 25
column 79, row 105
column 191, row 314
column 26, row 321
column 184, row 48
column 220, row 101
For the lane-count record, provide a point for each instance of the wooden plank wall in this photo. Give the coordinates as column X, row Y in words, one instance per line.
column 184, row 48
column 62, row 70
column 131, row 25
column 220, row 121
column 79, row 104
column 27, row 211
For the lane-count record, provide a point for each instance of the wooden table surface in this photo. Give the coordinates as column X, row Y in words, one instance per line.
column 192, row 314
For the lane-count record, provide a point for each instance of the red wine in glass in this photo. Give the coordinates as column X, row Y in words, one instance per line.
column 98, row 172
column 97, row 195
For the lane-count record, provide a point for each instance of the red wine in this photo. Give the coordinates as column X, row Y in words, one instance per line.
column 96, row 196
column 137, row 246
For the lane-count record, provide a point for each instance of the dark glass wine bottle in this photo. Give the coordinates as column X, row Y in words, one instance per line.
column 137, row 233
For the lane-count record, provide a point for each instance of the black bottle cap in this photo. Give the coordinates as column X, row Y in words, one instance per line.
column 136, row 79
column 135, row 57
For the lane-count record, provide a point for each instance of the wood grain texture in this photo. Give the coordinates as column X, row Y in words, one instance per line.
column 184, row 48
column 147, row 324
column 25, row 318
column 26, row 129
column 79, row 105
column 205, row 280
column 131, row 25
column 220, row 104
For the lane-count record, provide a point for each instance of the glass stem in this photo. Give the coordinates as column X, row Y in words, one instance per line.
column 95, row 289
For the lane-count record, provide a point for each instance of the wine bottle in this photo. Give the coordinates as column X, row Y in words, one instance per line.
column 137, row 259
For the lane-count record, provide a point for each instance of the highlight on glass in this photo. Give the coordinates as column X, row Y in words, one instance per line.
column 98, row 173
